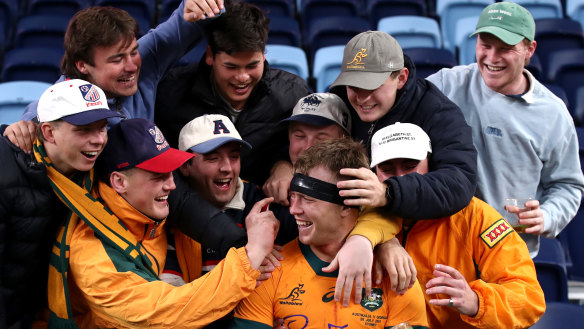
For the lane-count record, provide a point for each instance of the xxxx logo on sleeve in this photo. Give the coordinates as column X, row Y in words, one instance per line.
column 496, row 232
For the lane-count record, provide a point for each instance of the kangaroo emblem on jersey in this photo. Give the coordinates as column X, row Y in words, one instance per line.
column 220, row 126
column 359, row 57
column 294, row 297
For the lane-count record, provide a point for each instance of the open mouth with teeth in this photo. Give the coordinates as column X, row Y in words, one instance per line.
column 303, row 224
column 223, row 184
column 90, row 155
column 161, row 198
column 494, row 68
column 127, row 79
column 240, row 88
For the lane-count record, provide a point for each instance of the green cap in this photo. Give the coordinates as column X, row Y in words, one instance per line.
column 507, row 21
column 368, row 60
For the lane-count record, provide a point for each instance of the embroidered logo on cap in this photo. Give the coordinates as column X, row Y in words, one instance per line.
column 89, row 92
column 220, row 126
column 159, row 139
column 357, row 62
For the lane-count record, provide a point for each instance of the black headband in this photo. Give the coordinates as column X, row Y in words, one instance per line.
column 316, row 188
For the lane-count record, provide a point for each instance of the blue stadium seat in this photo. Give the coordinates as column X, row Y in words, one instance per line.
column 430, row 60
column 450, row 11
column 561, row 315
column 313, row 10
column 16, row 95
column 8, row 15
column 327, row 66
column 412, row 31
column 141, row 10
column 554, row 34
column 466, row 46
column 571, row 235
column 276, row 8
column 66, row 8
column 578, row 108
column 36, row 64
column 567, row 70
column 333, row 31
column 550, row 265
column 378, row 9
column 543, row 8
column 535, row 68
column 166, row 9
column 575, row 10
column 284, row 31
column 288, row 58
column 41, row 31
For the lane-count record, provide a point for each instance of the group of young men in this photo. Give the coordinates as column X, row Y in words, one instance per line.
column 174, row 233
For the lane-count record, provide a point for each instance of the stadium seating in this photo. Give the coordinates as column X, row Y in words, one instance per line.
column 288, row 58
column 65, row 8
column 8, row 15
column 327, row 66
column 558, row 91
column 466, row 47
column 572, row 233
column 575, row 10
column 276, row 7
column 543, row 8
column 550, row 265
column 556, row 34
column 32, row 63
column 141, row 10
column 534, row 67
column 578, row 108
column 332, row 31
column 412, row 31
column 567, row 70
column 430, row 60
column 41, row 31
column 313, row 10
column 561, row 315
column 284, row 31
column 378, row 9
column 15, row 95
column 450, row 11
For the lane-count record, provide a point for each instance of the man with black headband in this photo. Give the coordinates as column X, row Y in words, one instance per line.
column 299, row 291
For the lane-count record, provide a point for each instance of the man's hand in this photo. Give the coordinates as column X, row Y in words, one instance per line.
column 365, row 190
column 197, row 9
column 355, row 260
column 262, row 228
column 533, row 217
column 448, row 281
column 270, row 263
column 278, row 184
column 21, row 134
column 398, row 264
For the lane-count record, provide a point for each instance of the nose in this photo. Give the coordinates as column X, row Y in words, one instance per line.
column 242, row 75
column 131, row 64
column 361, row 94
column 225, row 165
column 294, row 205
column 169, row 183
column 99, row 136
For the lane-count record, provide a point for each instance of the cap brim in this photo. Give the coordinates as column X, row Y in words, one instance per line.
column 87, row 117
column 360, row 79
column 215, row 143
column 315, row 120
column 166, row 162
column 402, row 154
column 507, row 37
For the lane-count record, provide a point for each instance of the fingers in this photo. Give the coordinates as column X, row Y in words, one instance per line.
column 358, row 291
column 197, row 9
column 272, row 259
column 278, row 190
column 333, row 266
column 21, row 134
column 276, row 252
column 377, row 272
column 345, row 286
column 367, row 279
column 257, row 207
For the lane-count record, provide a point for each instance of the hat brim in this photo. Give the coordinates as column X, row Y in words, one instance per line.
column 215, row 143
column 402, row 154
column 315, row 120
column 166, row 162
column 87, row 117
column 507, row 37
column 361, row 79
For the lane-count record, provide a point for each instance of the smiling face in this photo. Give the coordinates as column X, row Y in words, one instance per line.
column 146, row 191
column 501, row 65
column 400, row 167
column 74, row 148
column 214, row 175
column 115, row 68
column 236, row 75
column 322, row 225
column 372, row 105
column 302, row 136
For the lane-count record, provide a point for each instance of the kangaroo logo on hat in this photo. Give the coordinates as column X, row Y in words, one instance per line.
column 358, row 59
column 89, row 92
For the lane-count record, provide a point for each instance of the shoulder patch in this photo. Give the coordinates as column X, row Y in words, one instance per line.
column 496, row 232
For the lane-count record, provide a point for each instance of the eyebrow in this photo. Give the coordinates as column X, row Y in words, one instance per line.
column 248, row 64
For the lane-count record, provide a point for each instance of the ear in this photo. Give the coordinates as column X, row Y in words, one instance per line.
column 531, row 49
column 347, row 211
column 402, row 78
column 82, row 67
column 209, row 56
column 48, row 131
column 119, row 182
column 184, row 169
